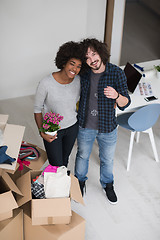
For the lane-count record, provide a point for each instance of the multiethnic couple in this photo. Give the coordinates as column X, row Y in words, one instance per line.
column 84, row 75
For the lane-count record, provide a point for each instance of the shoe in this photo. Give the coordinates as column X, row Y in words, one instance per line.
column 110, row 193
column 82, row 187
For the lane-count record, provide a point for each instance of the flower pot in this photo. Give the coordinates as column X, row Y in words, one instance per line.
column 158, row 75
column 51, row 133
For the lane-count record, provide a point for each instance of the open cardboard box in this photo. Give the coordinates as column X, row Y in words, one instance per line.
column 74, row 230
column 12, row 138
column 48, row 211
column 8, row 191
column 12, row 228
column 34, row 165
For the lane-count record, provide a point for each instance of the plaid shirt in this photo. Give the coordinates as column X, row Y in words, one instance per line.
column 113, row 76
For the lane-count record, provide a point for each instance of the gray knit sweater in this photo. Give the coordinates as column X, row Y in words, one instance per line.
column 58, row 98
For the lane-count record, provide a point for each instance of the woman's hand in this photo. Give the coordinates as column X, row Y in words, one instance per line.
column 47, row 137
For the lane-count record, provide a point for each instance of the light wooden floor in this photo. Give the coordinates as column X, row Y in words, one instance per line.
column 137, row 214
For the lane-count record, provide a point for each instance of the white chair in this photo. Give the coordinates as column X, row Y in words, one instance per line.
column 140, row 121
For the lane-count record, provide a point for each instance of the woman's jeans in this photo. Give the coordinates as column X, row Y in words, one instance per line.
column 59, row 150
column 107, row 145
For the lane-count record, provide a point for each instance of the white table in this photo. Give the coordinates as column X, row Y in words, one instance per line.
column 138, row 100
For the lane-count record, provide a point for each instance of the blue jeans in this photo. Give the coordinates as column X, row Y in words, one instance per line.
column 107, row 145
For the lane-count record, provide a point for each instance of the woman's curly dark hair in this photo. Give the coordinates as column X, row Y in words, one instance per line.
column 67, row 51
column 98, row 46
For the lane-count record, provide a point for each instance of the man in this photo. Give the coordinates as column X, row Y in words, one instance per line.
column 103, row 86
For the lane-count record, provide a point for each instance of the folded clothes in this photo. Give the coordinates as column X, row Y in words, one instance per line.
column 28, row 151
column 38, row 190
column 50, row 168
column 4, row 158
column 39, row 179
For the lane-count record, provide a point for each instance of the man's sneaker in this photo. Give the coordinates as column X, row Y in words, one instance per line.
column 82, row 187
column 110, row 193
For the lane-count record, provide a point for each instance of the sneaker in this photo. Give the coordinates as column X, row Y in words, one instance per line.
column 110, row 193
column 82, row 187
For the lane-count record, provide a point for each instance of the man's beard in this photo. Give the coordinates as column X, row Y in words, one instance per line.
column 98, row 67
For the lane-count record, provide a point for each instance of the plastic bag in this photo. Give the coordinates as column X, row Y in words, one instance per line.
column 57, row 185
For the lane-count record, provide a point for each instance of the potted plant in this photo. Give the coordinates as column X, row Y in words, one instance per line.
column 50, row 124
column 157, row 70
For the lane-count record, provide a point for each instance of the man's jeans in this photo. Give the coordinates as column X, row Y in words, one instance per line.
column 107, row 145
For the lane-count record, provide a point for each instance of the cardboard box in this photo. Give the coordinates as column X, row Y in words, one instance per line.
column 34, row 165
column 3, row 121
column 74, row 230
column 8, row 190
column 12, row 138
column 48, row 211
column 7, row 209
column 12, row 228
column 18, row 173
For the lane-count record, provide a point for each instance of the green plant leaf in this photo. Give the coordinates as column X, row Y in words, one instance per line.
column 157, row 68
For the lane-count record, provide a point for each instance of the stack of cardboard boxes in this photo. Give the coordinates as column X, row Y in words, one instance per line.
column 22, row 217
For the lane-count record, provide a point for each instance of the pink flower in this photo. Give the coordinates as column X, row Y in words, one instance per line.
column 46, row 126
column 51, row 121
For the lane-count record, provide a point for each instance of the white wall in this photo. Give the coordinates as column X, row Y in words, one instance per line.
column 117, row 31
column 31, row 33
column 96, row 11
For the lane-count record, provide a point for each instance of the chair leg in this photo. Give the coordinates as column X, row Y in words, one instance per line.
column 137, row 138
column 130, row 150
column 153, row 144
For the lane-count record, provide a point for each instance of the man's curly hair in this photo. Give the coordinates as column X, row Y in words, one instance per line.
column 67, row 51
column 98, row 46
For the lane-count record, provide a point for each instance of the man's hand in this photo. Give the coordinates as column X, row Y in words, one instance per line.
column 110, row 92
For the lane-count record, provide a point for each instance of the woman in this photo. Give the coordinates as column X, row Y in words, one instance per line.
column 59, row 92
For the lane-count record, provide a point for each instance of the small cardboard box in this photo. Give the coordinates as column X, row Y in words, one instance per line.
column 12, row 138
column 7, row 191
column 48, row 211
column 74, row 230
column 12, row 228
